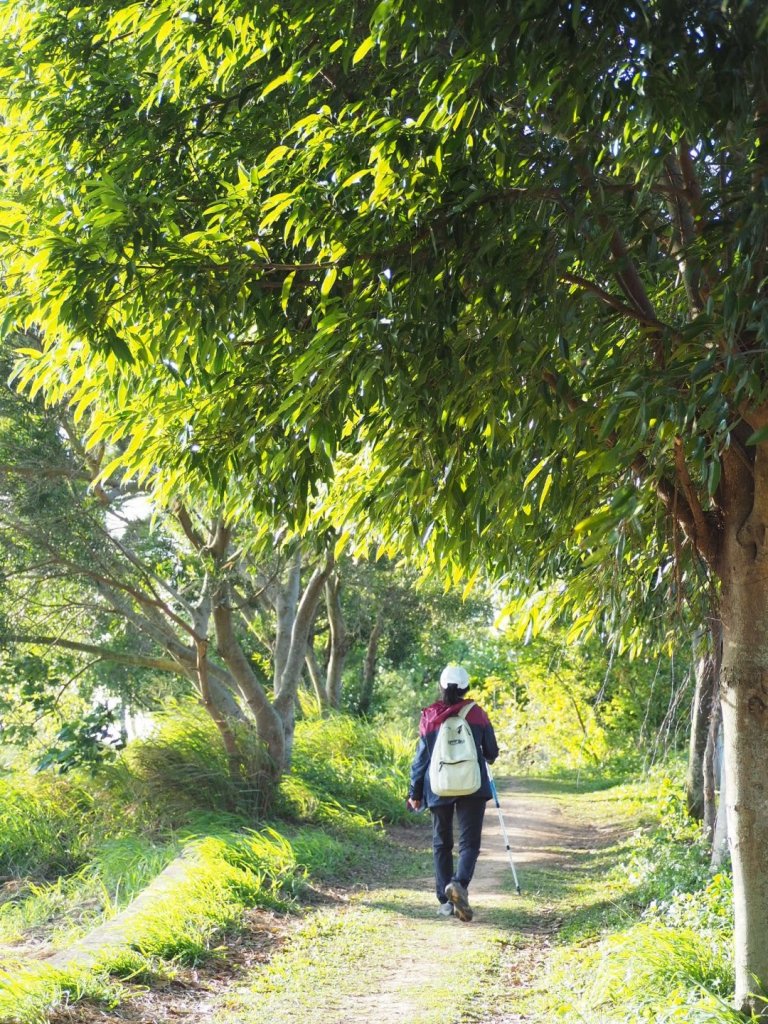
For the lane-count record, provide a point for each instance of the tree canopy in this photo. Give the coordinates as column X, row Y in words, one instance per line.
column 494, row 278
column 502, row 251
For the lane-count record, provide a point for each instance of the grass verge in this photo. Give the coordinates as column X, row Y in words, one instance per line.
column 347, row 778
column 636, row 929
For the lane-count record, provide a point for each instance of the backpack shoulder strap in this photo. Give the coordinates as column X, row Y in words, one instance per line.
column 466, row 709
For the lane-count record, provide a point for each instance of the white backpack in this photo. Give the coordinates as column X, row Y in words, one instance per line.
column 454, row 769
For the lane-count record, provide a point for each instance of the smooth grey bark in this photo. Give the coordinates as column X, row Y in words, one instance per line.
column 339, row 645
column 268, row 721
column 709, row 768
column 103, row 653
column 315, row 673
column 701, row 710
column 742, row 565
column 720, row 845
column 200, row 623
column 287, row 687
column 369, row 665
column 217, row 715
column 285, row 601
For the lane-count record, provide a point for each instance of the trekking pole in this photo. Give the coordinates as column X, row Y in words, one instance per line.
column 495, row 793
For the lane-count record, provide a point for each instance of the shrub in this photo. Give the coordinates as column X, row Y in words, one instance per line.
column 44, row 825
column 182, row 766
column 343, row 765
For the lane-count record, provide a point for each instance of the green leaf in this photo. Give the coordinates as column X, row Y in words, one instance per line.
column 284, row 79
column 609, row 422
column 536, row 470
column 713, row 476
column 285, row 291
column 545, row 491
column 365, row 47
column 329, row 281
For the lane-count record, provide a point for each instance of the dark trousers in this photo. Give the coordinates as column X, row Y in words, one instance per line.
column 469, row 816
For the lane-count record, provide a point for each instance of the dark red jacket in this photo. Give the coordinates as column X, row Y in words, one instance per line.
column 429, row 726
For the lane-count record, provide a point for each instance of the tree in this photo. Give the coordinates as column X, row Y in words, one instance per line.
column 700, row 783
column 95, row 573
column 500, row 270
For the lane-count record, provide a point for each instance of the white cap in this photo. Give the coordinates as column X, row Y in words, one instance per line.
column 454, row 675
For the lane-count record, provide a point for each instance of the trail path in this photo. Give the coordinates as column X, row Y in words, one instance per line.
column 386, row 957
column 381, row 954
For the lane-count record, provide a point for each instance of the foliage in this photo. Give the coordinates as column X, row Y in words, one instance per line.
column 223, row 875
column 138, row 824
column 73, row 903
column 421, row 625
column 672, row 858
column 343, row 763
column 534, row 202
column 43, row 823
column 27, row 996
column 674, row 975
column 645, row 930
column 177, row 781
column 183, row 764
column 577, row 705
column 490, row 277
column 444, row 629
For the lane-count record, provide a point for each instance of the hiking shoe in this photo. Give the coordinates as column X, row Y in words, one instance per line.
column 457, row 894
column 445, row 910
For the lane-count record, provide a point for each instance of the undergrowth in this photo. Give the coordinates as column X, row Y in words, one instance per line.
column 646, row 929
column 80, row 848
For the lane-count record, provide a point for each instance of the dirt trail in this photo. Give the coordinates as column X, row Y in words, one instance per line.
column 381, row 953
column 429, row 970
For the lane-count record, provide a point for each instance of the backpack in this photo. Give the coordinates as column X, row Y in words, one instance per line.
column 454, row 769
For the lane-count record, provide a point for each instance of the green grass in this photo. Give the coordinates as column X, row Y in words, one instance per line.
column 82, row 847
column 343, row 768
column 42, row 820
column 388, row 941
column 637, row 929
column 642, row 932
column 29, row 995
column 65, row 909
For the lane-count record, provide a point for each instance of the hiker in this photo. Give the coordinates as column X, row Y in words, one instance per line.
column 451, row 887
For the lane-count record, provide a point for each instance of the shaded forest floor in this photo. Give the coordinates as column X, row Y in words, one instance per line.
column 377, row 950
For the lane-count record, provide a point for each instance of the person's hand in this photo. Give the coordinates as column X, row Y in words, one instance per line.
column 414, row 805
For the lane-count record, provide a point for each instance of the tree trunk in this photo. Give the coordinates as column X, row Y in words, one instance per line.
column 720, row 834
column 315, row 674
column 269, row 723
column 701, row 712
column 285, row 599
column 369, row 665
column 710, row 771
column 284, row 703
column 338, row 642
column 743, row 570
column 228, row 737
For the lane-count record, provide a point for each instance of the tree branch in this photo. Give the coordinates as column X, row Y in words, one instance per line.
column 36, row 471
column 189, row 529
column 674, row 500
column 626, row 272
column 302, row 626
column 103, row 653
column 612, row 301
column 268, row 721
column 702, row 535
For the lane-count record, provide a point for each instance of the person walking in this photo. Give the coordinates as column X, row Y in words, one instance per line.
column 452, row 886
